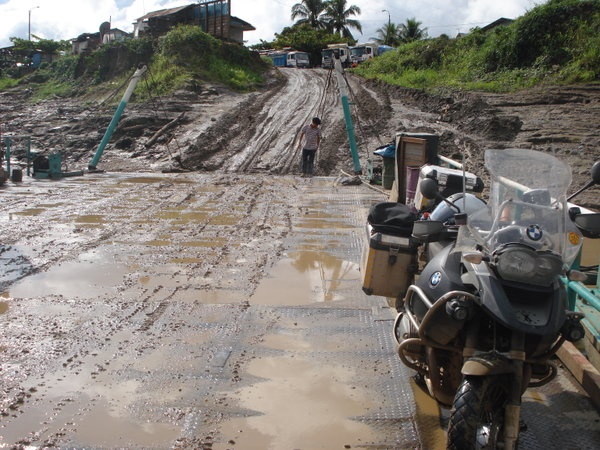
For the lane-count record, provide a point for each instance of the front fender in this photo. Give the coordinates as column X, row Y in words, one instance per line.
column 483, row 366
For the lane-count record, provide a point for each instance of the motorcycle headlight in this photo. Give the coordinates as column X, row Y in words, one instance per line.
column 528, row 266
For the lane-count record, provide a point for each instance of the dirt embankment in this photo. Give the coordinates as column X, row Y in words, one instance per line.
column 215, row 129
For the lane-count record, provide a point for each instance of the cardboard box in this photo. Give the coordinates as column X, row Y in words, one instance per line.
column 388, row 264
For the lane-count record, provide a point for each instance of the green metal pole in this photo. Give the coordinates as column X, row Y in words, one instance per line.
column 117, row 116
column 347, row 116
column 7, row 156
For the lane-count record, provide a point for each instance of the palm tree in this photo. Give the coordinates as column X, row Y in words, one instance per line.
column 309, row 11
column 388, row 34
column 411, row 31
column 337, row 15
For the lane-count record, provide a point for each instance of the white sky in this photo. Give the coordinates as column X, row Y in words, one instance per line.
column 67, row 19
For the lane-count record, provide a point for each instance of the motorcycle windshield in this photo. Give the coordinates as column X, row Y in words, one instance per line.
column 527, row 205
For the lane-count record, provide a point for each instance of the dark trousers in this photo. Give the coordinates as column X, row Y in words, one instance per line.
column 308, row 161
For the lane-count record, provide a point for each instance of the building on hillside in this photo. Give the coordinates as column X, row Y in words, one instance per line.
column 114, row 35
column 85, row 43
column 88, row 42
column 212, row 16
column 502, row 21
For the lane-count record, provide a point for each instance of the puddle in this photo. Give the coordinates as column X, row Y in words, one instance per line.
column 3, row 307
column 93, row 274
column 305, row 277
column 303, row 404
column 90, row 219
column 92, row 430
column 428, row 419
column 146, row 180
column 27, row 212
column 209, row 297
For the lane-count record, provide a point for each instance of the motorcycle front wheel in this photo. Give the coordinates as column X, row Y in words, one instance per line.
column 477, row 415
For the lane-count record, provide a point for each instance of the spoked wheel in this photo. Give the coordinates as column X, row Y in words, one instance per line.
column 477, row 416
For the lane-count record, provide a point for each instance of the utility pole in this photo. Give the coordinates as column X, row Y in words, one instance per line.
column 29, row 29
column 389, row 17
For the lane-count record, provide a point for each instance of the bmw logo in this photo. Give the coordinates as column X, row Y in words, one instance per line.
column 435, row 279
column 534, row 232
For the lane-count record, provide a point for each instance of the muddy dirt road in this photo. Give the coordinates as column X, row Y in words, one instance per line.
column 221, row 307
column 214, row 129
column 204, row 311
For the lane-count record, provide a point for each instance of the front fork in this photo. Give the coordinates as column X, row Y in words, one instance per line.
column 512, row 413
column 512, row 364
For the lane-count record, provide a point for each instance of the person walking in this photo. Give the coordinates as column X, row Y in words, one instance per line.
column 311, row 135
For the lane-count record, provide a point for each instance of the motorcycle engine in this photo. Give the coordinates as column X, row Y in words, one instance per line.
column 404, row 329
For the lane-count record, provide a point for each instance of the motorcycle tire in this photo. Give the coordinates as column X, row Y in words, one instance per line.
column 477, row 416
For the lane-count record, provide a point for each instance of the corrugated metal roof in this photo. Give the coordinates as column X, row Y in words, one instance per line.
column 163, row 12
column 241, row 23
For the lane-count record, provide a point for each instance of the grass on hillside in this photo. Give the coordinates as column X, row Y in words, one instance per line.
column 558, row 43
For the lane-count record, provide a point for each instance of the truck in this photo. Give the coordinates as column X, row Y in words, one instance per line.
column 327, row 55
column 297, row 59
column 362, row 52
column 279, row 57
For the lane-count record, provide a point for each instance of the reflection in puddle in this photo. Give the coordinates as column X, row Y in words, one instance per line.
column 303, row 404
column 90, row 218
column 28, row 212
column 305, row 277
column 101, row 427
column 93, row 274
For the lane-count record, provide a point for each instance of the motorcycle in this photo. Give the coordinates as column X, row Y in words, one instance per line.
column 488, row 311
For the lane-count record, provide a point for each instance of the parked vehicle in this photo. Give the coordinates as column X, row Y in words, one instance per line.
column 327, row 55
column 279, row 57
column 488, row 310
column 363, row 52
column 297, row 59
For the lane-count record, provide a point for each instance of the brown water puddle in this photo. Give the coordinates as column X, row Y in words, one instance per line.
column 301, row 404
column 93, row 274
column 3, row 307
column 305, row 277
column 105, row 427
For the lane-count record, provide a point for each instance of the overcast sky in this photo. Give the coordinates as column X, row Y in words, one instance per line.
column 67, row 19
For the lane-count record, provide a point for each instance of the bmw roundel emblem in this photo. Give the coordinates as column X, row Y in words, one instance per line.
column 534, row 232
column 435, row 279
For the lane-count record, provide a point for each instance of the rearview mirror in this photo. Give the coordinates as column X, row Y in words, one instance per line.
column 429, row 188
column 596, row 172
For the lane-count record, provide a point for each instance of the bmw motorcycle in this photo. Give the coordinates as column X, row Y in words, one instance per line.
column 488, row 311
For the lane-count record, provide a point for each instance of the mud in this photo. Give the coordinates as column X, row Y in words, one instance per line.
column 199, row 294
column 215, row 129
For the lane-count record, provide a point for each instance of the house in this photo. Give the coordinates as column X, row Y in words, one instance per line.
column 114, row 35
column 87, row 42
column 502, row 21
column 212, row 16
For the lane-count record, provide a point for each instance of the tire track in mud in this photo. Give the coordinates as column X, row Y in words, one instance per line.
column 261, row 134
column 274, row 145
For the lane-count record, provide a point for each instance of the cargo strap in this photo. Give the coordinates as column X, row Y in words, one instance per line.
column 393, row 255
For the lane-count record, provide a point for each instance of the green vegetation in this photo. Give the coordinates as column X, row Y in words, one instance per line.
column 185, row 56
column 558, row 42
column 304, row 38
column 333, row 16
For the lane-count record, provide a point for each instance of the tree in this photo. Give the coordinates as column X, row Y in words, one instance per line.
column 411, row 31
column 309, row 12
column 388, row 35
column 338, row 17
column 306, row 39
